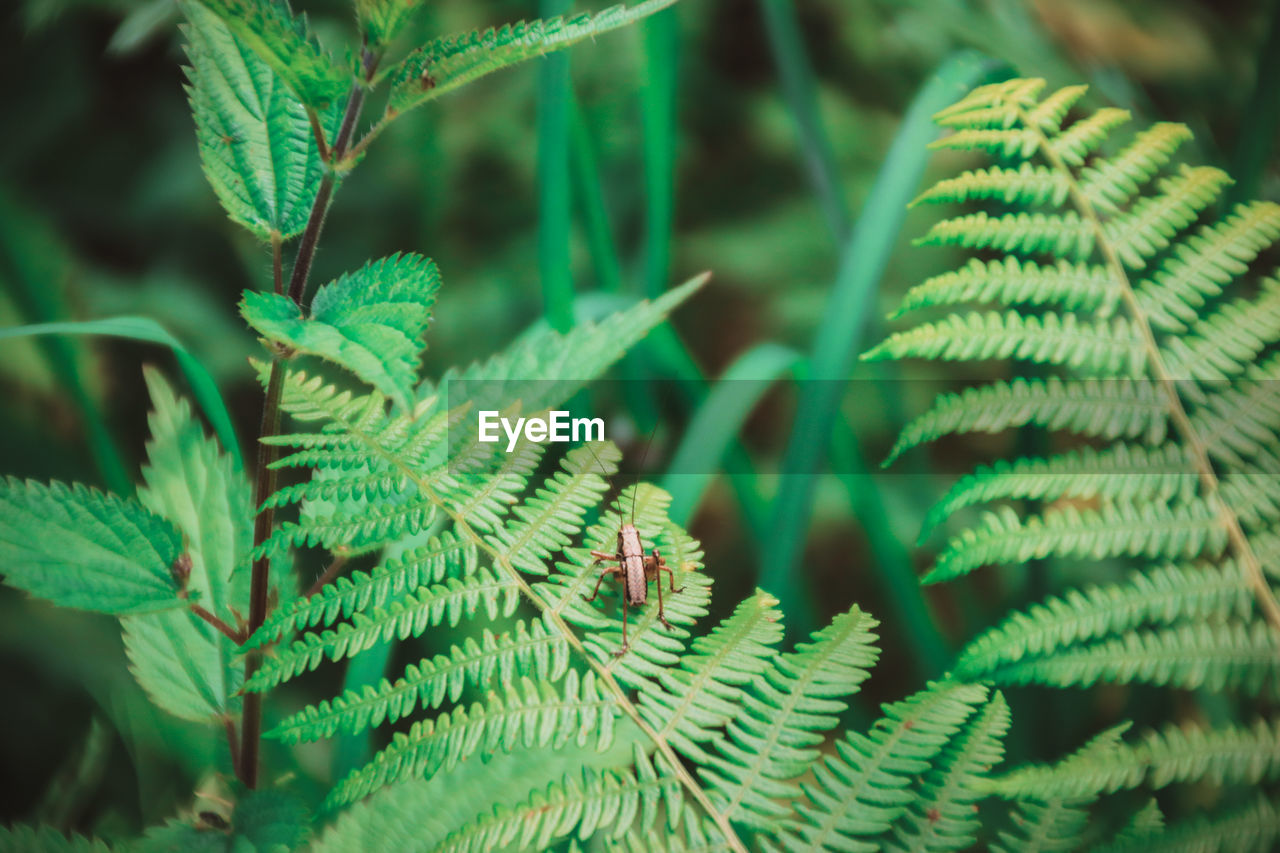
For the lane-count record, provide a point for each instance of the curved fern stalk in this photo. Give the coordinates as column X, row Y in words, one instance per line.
column 1103, row 223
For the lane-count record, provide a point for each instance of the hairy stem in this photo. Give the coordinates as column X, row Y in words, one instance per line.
column 320, row 208
column 1241, row 548
column 264, row 487
column 265, row 479
column 328, row 575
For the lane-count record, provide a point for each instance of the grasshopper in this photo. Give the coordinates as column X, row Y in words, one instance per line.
column 636, row 569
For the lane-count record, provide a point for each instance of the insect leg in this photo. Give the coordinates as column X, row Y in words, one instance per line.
column 661, row 616
column 595, row 592
column 622, row 651
column 663, row 567
column 601, row 556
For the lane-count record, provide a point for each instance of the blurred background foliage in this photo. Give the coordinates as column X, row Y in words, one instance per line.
column 781, row 120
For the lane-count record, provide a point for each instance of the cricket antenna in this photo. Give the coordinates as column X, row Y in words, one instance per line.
column 635, row 484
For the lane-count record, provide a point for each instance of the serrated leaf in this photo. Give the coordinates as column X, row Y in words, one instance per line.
column 284, row 42
column 78, row 547
column 371, row 321
column 257, row 147
column 382, row 20
column 453, row 61
column 193, row 484
column 184, row 664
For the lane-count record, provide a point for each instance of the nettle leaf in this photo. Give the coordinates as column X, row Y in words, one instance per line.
column 191, row 482
column 46, row 839
column 78, row 547
column 185, row 665
column 453, row 61
column 371, row 321
column 382, row 20
column 286, row 45
column 256, row 143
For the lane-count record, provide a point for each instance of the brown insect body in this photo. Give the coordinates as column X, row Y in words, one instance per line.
column 630, row 557
column 637, row 570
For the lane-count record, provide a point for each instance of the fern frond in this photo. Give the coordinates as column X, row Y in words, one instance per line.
column 1215, row 657
column 549, row 519
column 1254, row 827
column 773, row 740
column 406, row 617
column 443, row 556
column 943, row 817
column 1120, row 473
column 861, row 789
column 1202, row 264
column 1062, row 235
column 1226, row 756
column 1105, row 348
column 1154, row 531
column 1227, row 342
column 582, row 804
column 357, row 530
column 688, row 704
column 1074, row 145
column 1110, row 183
column 1161, row 596
column 1115, row 408
column 1153, row 222
column 529, row 652
column 1027, row 184
column 1078, row 287
column 524, row 714
column 1056, row 826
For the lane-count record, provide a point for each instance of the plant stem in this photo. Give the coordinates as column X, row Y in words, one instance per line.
column 235, row 635
column 265, row 479
column 320, row 208
column 265, row 486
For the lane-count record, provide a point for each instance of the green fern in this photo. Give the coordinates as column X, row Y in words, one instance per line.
column 1116, row 276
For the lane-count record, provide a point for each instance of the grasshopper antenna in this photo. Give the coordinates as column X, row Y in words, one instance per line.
column 635, row 481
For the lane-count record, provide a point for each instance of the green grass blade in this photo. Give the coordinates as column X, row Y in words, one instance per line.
column 801, row 93
column 148, row 330
column 717, row 422
column 595, row 212
column 553, row 181
column 1258, row 133
column 839, row 337
column 658, row 104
